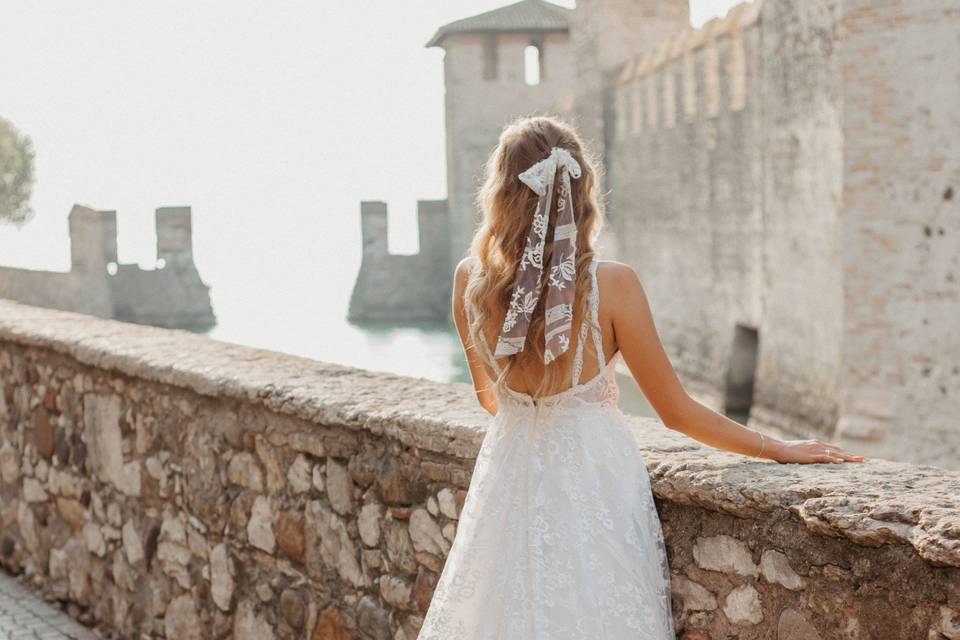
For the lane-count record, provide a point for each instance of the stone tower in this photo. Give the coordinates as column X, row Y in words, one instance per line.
column 93, row 239
column 174, row 235
column 486, row 86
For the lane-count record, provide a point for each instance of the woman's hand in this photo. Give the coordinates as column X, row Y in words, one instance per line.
column 810, row 451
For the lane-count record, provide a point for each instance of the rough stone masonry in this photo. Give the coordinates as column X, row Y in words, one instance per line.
column 161, row 484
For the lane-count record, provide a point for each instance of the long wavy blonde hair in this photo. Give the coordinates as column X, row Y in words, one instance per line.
column 507, row 207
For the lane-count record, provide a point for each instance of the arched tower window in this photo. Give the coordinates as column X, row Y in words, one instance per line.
column 532, row 64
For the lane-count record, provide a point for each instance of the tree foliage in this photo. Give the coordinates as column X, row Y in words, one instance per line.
column 16, row 174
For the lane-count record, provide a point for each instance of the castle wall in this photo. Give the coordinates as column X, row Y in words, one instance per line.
column 685, row 179
column 604, row 33
column 791, row 169
column 172, row 296
column 901, row 226
column 68, row 291
column 168, row 485
column 403, row 288
column 800, row 333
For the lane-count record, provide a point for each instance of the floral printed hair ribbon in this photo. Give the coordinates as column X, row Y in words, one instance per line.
column 526, row 287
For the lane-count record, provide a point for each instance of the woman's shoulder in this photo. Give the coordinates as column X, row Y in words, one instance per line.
column 464, row 267
column 615, row 273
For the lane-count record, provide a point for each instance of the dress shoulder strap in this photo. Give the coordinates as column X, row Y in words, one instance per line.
column 595, row 315
column 589, row 321
column 480, row 341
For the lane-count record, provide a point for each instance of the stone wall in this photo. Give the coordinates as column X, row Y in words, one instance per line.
column 685, row 166
column 172, row 295
column 901, row 225
column 780, row 174
column 161, row 484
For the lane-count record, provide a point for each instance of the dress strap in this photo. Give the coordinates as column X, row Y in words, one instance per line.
column 484, row 348
column 480, row 342
column 595, row 315
column 592, row 303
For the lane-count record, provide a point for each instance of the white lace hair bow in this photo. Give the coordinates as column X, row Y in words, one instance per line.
column 526, row 286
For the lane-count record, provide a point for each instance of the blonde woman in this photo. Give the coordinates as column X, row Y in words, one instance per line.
column 559, row 536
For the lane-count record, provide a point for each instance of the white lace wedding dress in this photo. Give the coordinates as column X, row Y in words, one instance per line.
column 559, row 536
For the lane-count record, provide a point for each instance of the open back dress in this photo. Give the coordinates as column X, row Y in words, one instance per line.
column 559, row 538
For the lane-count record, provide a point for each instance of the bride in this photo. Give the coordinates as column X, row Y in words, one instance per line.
column 559, row 536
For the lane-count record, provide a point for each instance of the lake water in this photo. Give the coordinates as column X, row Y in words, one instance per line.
column 273, row 122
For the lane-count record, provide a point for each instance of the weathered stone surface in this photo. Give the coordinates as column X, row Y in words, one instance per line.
column 330, row 626
column 292, row 608
column 72, row 512
column 43, row 433
column 27, row 525
column 290, row 535
column 222, row 582
column 260, row 526
column 426, row 534
column 400, row 547
column 299, row 475
column 339, row 487
column 329, row 545
column 102, row 415
column 723, row 553
column 204, row 494
column 742, row 605
column 244, row 470
column 369, row 523
column 372, row 620
column 448, row 503
column 172, row 550
column 793, row 626
column 396, row 591
column 9, row 466
column 776, row 568
column 695, row 596
column 93, row 537
column 249, row 625
column 949, row 623
column 132, row 542
column 450, row 531
column 272, row 463
column 423, row 588
column 33, row 491
column 181, row 619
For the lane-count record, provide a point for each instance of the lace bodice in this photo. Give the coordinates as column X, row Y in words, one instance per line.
column 600, row 391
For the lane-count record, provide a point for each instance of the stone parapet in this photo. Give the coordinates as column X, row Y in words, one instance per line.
column 167, row 485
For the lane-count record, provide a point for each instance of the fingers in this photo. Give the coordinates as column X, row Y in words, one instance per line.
column 838, row 454
column 822, row 457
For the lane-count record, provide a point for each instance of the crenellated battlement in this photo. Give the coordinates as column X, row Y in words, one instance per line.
column 396, row 286
column 697, row 73
column 171, row 295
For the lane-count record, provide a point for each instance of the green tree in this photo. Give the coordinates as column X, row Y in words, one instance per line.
column 16, row 174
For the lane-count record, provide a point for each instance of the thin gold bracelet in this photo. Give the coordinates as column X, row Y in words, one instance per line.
column 762, row 445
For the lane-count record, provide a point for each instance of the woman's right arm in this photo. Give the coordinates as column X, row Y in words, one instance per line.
column 647, row 360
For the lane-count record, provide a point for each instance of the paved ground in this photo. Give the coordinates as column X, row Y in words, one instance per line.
column 24, row 616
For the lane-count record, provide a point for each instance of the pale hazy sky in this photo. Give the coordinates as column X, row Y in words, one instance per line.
column 254, row 113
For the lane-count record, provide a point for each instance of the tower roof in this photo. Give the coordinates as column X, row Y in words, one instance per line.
column 525, row 16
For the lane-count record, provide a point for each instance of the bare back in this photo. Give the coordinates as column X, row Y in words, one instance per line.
column 594, row 337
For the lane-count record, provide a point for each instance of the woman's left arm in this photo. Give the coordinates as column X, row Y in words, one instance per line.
column 478, row 373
